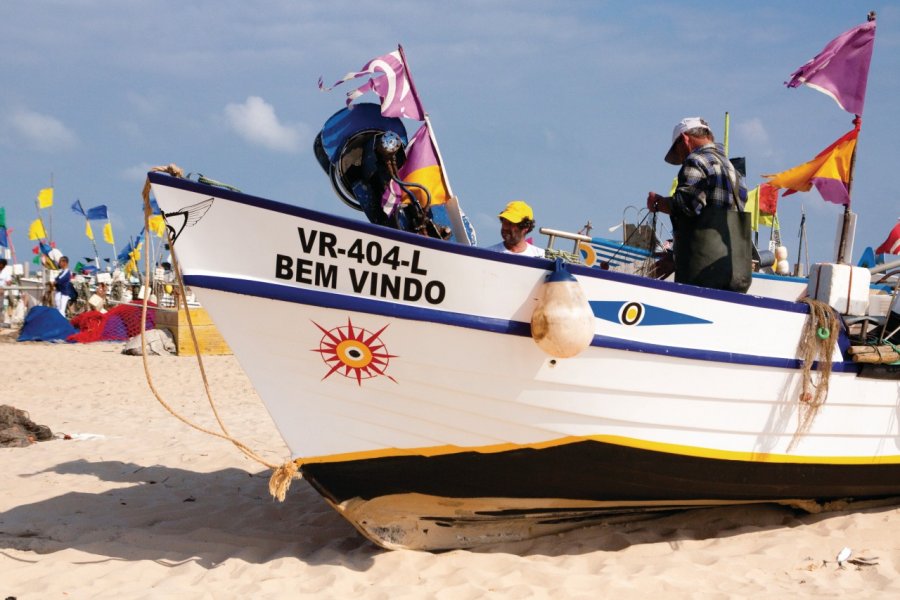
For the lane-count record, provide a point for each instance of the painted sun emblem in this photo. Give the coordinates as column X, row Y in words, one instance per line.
column 354, row 352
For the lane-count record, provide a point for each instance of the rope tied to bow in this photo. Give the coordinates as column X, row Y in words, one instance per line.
column 282, row 475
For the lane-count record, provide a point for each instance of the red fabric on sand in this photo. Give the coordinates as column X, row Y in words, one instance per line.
column 118, row 324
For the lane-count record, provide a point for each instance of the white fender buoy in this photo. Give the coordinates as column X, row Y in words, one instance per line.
column 783, row 267
column 562, row 325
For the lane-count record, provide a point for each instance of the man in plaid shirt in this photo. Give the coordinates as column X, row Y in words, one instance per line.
column 705, row 190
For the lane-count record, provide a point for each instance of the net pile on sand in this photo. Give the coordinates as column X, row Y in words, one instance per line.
column 17, row 430
column 120, row 323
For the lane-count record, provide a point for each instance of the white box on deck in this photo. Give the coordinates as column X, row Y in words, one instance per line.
column 843, row 287
column 879, row 304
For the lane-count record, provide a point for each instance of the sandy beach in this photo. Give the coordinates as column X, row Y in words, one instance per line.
column 138, row 505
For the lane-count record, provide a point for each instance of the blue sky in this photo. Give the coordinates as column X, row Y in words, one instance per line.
column 566, row 105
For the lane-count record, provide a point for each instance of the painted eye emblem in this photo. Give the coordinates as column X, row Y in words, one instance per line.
column 354, row 352
column 631, row 313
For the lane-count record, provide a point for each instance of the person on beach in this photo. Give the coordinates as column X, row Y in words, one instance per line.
column 64, row 290
column 6, row 273
column 516, row 221
column 712, row 232
column 6, row 276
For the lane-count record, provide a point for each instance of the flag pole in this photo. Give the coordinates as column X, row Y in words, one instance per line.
column 12, row 247
column 801, row 234
column 37, row 209
column 50, row 213
column 130, row 256
column 113, row 244
column 843, row 256
column 727, row 130
column 437, row 150
column 93, row 242
column 843, row 253
column 153, row 249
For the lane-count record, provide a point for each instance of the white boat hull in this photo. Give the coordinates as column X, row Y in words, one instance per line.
column 402, row 375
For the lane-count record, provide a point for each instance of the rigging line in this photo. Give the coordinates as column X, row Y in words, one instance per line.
column 282, row 474
column 629, row 236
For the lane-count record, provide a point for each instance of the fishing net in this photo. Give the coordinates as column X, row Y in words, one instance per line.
column 120, row 323
column 17, row 430
column 816, row 346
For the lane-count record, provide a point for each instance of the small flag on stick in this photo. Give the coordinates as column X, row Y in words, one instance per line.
column 45, row 198
column 892, row 244
column 390, row 80
column 36, row 230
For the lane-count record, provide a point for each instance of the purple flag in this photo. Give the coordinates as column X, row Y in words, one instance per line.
column 422, row 167
column 390, row 80
column 841, row 69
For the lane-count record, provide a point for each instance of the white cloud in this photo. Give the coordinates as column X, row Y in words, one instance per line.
column 256, row 122
column 145, row 104
column 41, row 132
column 136, row 173
column 753, row 133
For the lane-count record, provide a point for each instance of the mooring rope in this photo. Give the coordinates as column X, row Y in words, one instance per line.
column 819, row 336
column 283, row 474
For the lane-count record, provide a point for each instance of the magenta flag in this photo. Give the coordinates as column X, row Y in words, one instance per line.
column 422, row 167
column 390, row 80
column 841, row 69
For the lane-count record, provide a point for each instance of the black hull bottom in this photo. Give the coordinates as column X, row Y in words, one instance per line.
column 466, row 499
column 599, row 471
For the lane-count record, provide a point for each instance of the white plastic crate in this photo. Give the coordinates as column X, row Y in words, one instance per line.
column 843, row 287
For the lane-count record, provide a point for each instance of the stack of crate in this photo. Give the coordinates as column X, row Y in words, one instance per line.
column 209, row 340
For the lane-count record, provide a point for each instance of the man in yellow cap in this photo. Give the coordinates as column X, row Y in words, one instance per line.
column 516, row 221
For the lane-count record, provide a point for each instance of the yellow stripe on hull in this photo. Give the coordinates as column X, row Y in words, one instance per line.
column 694, row 451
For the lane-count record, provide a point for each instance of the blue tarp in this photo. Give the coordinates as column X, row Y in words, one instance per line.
column 45, row 324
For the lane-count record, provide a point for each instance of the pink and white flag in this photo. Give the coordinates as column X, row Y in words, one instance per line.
column 841, row 69
column 390, row 80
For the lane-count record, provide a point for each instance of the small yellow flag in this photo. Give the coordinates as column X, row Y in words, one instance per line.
column 674, row 186
column 45, row 198
column 107, row 234
column 88, row 231
column 36, row 230
column 752, row 207
column 157, row 225
column 133, row 257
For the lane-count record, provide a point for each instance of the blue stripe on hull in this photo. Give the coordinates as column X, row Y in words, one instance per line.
column 493, row 325
column 461, row 249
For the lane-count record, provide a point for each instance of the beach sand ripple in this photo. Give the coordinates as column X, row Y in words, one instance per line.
column 138, row 505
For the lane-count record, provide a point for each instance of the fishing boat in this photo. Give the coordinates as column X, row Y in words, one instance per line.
column 401, row 371
column 440, row 395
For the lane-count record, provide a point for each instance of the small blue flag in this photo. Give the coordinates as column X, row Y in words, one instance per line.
column 76, row 207
column 97, row 213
